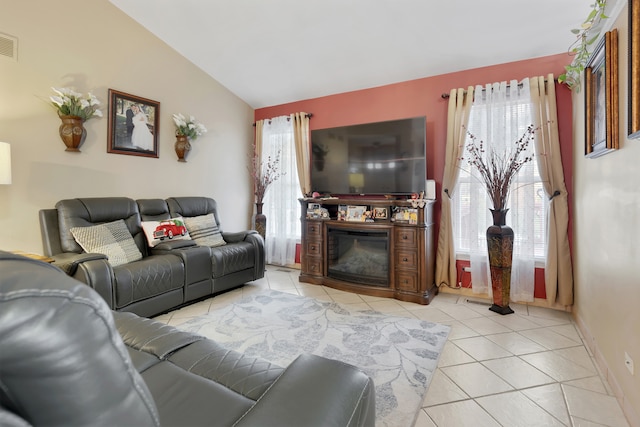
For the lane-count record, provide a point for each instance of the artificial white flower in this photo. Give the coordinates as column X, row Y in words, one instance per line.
column 191, row 129
column 71, row 103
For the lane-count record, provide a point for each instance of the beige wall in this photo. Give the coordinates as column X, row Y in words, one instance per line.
column 607, row 243
column 93, row 46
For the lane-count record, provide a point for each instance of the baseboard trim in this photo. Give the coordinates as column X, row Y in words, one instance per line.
column 590, row 342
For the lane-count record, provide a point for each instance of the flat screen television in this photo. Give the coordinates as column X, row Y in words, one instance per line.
column 381, row 158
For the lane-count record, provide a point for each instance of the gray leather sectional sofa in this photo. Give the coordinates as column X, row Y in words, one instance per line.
column 171, row 274
column 67, row 359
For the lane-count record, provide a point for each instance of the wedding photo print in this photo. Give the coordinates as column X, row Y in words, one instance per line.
column 133, row 125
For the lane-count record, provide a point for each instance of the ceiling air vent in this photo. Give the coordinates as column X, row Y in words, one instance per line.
column 8, row 47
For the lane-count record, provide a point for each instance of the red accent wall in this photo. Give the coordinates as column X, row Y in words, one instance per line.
column 422, row 97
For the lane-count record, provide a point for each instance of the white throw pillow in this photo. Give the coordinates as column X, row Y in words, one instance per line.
column 112, row 239
column 204, row 230
column 158, row 231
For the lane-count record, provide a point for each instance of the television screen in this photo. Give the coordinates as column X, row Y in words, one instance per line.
column 371, row 159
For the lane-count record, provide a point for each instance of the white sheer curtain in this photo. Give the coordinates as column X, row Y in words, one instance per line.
column 281, row 205
column 499, row 116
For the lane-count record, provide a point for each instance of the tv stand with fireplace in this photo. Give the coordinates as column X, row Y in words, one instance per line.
column 389, row 255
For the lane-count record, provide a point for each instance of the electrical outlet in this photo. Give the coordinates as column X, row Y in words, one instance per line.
column 628, row 362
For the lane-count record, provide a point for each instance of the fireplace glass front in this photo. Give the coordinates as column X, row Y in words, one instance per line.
column 358, row 256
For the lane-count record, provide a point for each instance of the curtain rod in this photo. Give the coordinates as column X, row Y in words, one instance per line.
column 446, row 95
column 288, row 118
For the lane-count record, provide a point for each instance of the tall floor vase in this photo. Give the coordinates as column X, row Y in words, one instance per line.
column 260, row 221
column 500, row 247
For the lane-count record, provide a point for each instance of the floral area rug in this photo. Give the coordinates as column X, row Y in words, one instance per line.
column 399, row 353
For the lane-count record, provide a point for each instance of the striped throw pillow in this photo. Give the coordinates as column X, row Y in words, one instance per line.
column 204, row 230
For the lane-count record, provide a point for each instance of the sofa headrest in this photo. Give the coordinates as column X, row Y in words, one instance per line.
column 189, row 207
column 92, row 211
column 62, row 360
column 153, row 209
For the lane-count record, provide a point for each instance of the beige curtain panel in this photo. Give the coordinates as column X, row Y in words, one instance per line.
column 303, row 161
column 457, row 119
column 558, row 271
column 258, row 140
column 257, row 147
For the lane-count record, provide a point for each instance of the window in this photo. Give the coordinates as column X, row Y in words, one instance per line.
column 281, row 205
column 528, row 204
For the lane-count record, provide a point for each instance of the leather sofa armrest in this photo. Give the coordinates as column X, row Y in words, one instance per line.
column 69, row 261
column 92, row 269
column 314, row 390
column 239, row 236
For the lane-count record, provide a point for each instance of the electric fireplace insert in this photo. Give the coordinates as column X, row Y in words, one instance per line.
column 358, row 256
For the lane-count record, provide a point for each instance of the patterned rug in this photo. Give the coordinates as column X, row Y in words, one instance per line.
column 399, row 353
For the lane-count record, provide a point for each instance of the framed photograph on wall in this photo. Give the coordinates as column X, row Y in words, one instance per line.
column 601, row 97
column 133, row 125
column 634, row 69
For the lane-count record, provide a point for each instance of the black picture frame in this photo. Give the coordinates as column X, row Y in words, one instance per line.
column 601, row 97
column 133, row 125
column 634, row 70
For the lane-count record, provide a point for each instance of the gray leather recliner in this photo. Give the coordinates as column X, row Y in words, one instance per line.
column 67, row 359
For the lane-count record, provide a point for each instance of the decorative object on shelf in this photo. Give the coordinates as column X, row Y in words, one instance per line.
column 497, row 171
column 601, row 98
column 586, row 36
column 5, row 163
column 134, row 125
column 186, row 131
column 263, row 175
column 74, row 109
column 417, row 200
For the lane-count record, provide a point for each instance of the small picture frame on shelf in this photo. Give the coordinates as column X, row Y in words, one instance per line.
column 356, row 213
column 341, row 215
column 380, row 213
column 406, row 215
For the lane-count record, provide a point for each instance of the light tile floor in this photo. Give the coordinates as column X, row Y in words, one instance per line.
column 529, row 368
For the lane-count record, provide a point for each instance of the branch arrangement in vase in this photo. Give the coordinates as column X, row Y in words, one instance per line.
column 497, row 170
column 264, row 174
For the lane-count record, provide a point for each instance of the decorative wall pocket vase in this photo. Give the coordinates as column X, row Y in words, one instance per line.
column 182, row 147
column 72, row 132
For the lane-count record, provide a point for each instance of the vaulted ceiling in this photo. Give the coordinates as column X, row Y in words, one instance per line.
column 270, row 52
